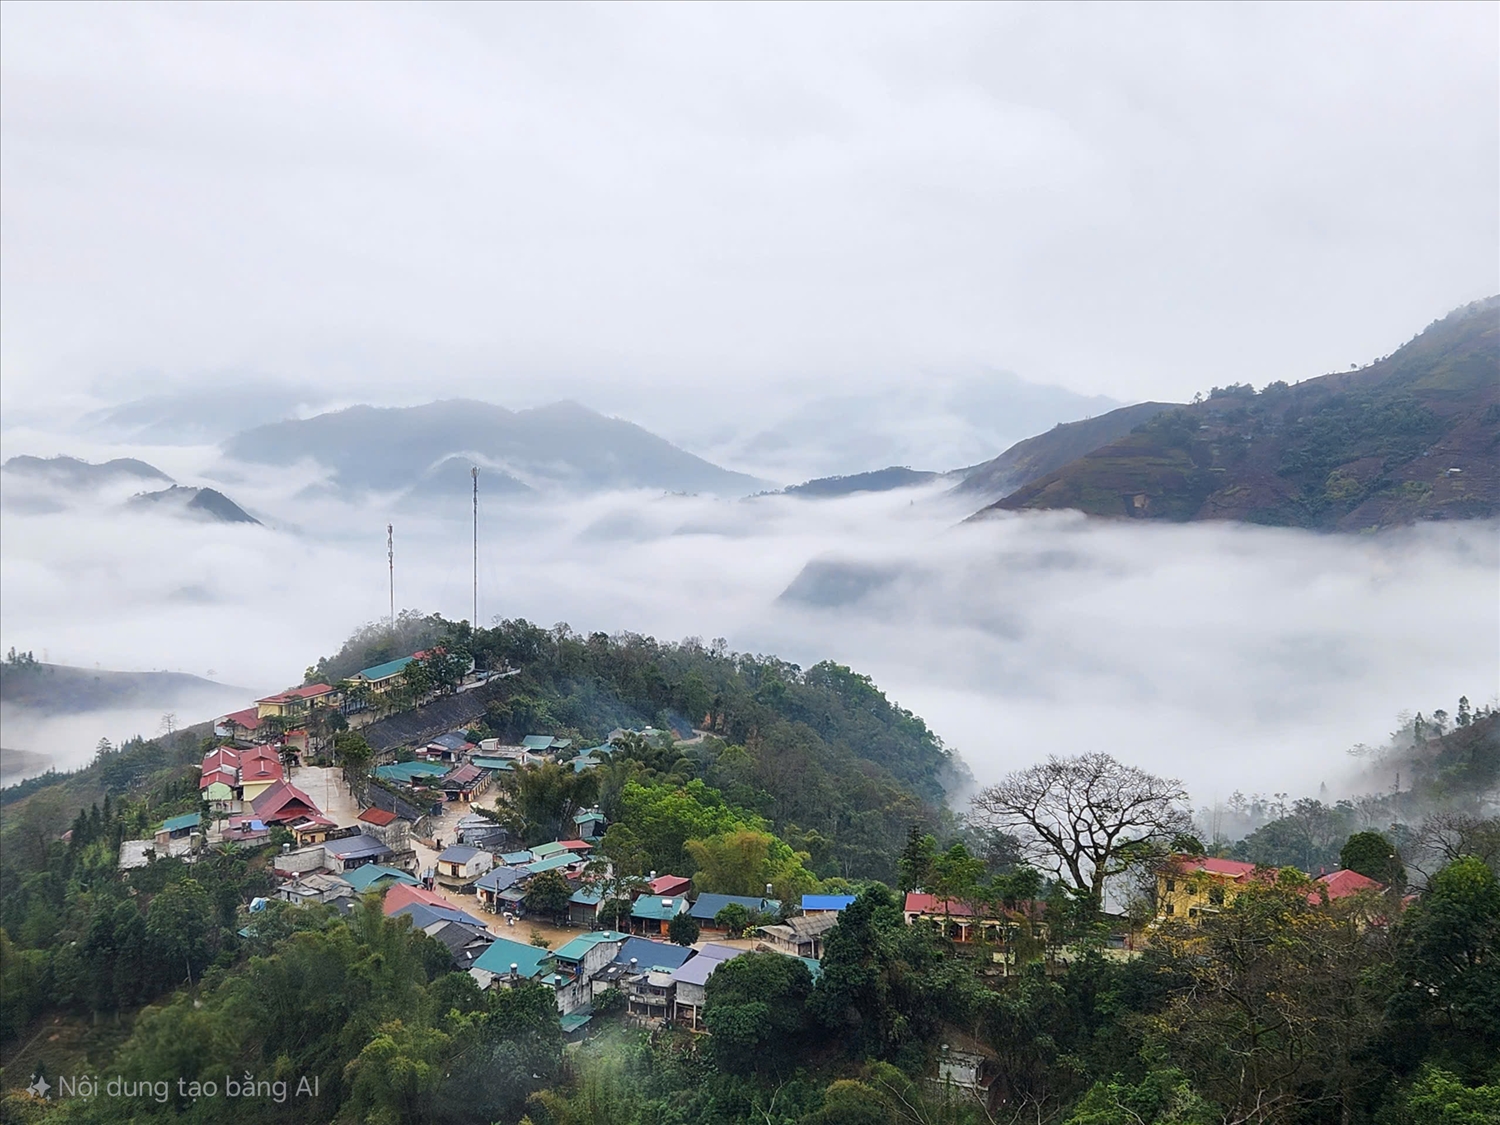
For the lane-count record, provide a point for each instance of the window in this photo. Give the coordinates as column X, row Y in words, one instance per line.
column 1216, row 896
column 1171, row 884
column 1171, row 909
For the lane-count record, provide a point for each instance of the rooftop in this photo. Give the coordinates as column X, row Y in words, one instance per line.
column 364, row 878
column 701, row 967
column 826, row 902
column 383, row 671
column 457, row 853
column 529, row 960
column 648, row 954
column 706, row 907
column 579, row 946
column 650, row 907
column 178, row 823
column 379, row 817
column 306, row 691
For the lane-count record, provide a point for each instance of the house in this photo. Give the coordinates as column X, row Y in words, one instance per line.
column 651, row 914
column 966, row 1072
column 353, row 851
column 283, row 803
column 505, row 962
column 589, row 824
column 818, row 904
column 386, row 826
column 568, row 863
column 311, row 830
column 410, row 773
column 1341, row 884
column 296, row 702
column 463, row 783
column 517, row 859
column 481, row 832
column 493, row 886
column 668, row 885
column 378, row 878
column 381, row 678
column 238, row 725
column 1188, row 886
column 544, row 743
column 315, row 886
column 220, row 776
column 449, row 747
column 650, row 995
column 578, row 961
column 800, row 937
column 706, row 907
column 465, row 943
column 424, row 907
column 962, row 922
column 639, row 955
column 259, row 769
column 245, row 830
column 177, row 827
column 690, row 980
column 491, row 762
column 459, row 866
column 299, row 862
column 583, row 907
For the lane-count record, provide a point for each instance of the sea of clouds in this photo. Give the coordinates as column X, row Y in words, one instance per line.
column 1233, row 657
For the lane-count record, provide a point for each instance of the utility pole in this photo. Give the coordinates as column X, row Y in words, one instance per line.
column 474, row 472
column 390, row 558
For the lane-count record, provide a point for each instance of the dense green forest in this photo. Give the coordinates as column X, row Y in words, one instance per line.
column 820, row 754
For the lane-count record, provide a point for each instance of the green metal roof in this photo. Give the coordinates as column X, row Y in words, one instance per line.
column 530, row 961
column 363, row 878
column 407, row 772
column 579, row 946
column 550, row 863
column 537, row 742
column 547, row 850
column 486, row 763
column 658, row 908
column 177, row 823
column 574, row 1020
column 385, row 671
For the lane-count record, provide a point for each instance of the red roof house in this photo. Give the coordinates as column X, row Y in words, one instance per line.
column 284, row 803
column 1342, row 884
column 378, row 817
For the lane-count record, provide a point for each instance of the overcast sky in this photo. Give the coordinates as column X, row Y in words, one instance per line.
column 403, row 201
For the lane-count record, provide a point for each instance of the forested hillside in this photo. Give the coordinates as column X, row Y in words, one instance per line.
column 1414, row 436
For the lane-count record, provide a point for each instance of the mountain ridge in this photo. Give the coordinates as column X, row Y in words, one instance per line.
column 561, row 445
column 1411, row 437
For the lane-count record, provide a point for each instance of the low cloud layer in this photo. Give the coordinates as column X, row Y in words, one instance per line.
column 1234, row 657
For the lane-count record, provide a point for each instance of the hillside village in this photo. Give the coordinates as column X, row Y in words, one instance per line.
column 429, row 828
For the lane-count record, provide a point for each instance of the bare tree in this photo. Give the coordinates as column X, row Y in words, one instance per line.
column 1086, row 818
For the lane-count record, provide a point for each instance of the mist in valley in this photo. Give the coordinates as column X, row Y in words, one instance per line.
column 1235, row 657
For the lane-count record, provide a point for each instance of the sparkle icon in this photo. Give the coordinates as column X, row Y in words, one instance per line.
column 39, row 1086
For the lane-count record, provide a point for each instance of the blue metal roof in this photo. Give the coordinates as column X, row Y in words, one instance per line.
column 648, row 954
column 826, row 902
column 707, row 906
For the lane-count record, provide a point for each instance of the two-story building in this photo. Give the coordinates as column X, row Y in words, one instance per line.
column 460, row 866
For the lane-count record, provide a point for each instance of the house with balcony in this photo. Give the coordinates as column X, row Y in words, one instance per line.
column 295, row 703
column 690, row 981
column 460, row 866
column 651, row 914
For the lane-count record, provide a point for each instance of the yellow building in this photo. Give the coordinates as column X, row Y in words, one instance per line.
column 1190, row 886
column 296, row 702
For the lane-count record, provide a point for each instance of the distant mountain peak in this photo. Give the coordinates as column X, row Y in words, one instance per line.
column 73, row 472
column 202, row 503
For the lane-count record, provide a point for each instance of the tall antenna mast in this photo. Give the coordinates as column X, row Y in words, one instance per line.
column 390, row 556
column 474, row 472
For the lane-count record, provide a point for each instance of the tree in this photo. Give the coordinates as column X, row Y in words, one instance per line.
column 548, row 893
column 1082, row 815
column 178, row 929
column 683, row 929
column 754, row 1008
column 734, row 918
column 1373, row 856
column 353, row 752
column 1448, row 961
column 915, row 864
